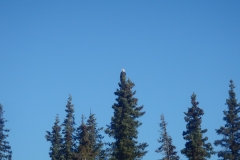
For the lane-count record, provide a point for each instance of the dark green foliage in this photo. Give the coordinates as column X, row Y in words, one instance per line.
column 166, row 148
column 95, row 138
column 55, row 139
column 124, row 123
column 84, row 148
column 5, row 149
column 231, row 131
column 90, row 140
column 196, row 147
column 68, row 131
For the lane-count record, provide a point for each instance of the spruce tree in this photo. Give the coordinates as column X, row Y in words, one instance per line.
column 5, row 148
column 95, row 138
column 196, row 147
column 124, row 123
column 84, row 149
column 68, row 131
column 231, row 131
column 89, row 140
column 55, row 138
column 166, row 148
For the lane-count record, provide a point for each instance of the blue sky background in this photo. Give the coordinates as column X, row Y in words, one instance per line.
column 169, row 49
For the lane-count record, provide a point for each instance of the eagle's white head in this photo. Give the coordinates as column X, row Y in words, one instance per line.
column 123, row 70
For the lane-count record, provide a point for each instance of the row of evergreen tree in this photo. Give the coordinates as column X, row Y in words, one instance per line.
column 82, row 143
column 86, row 142
column 123, row 129
column 196, row 146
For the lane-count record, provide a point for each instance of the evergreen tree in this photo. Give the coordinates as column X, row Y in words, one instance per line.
column 95, row 138
column 68, row 131
column 166, row 148
column 55, row 139
column 84, row 148
column 90, row 140
column 5, row 148
column 231, row 131
column 196, row 147
column 124, row 123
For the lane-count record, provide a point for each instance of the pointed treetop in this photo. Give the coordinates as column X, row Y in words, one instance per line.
column 70, row 97
column 83, row 119
column 57, row 118
column 230, row 131
column 193, row 100
column 123, row 75
column 231, row 85
column 231, row 92
column 193, row 96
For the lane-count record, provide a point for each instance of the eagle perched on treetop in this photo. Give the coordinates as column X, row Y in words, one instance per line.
column 123, row 72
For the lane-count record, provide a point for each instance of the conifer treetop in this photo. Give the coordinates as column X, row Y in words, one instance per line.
column 230, row 142
column 5, row 148
column 55, row 138
column 68, row 131
column 196, row 147
column 166, row 147
column 124, row 123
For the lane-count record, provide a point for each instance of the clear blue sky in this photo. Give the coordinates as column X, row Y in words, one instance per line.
column 169, row 49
